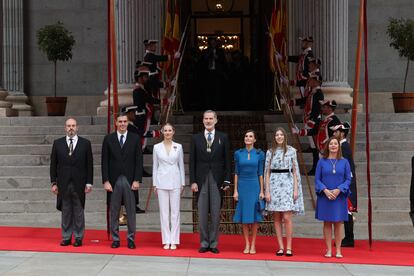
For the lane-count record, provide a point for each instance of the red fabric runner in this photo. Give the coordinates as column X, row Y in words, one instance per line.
column 231, row 247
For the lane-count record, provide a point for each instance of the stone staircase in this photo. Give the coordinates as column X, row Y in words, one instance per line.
column 392, row 145
column 25, row 197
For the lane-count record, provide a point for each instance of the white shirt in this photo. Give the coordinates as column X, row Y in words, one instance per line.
column 206, row 132
column 74, row 141
column 119, row 136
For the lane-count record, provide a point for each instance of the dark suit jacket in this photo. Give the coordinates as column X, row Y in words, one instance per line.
column 77, row 168
column 218, row 161
column 126, row 161
column 347, row 153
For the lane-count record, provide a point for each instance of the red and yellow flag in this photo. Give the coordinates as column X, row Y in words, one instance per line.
column 278, row 34
column 167, row 43
column 176, row 36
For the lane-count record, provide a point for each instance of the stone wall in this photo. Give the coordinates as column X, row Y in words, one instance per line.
column 386, row 68
column 86, row 73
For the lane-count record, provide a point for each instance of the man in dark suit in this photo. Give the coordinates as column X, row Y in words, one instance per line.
column 71, row 175
column 341, row 132
column 210, row 177
column 121, row 174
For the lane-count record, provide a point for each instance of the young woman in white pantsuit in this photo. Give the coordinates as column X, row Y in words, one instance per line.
column 168, row 181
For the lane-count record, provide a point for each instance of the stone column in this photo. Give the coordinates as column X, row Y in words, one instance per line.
column 5, row 107
column 135, row 21
column 327, row 22
column 13, row 78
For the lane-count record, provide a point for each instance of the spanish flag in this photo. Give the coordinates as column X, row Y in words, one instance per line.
column 167, row 40
column 176, row 36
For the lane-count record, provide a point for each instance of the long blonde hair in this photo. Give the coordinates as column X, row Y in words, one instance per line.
column 284, row 144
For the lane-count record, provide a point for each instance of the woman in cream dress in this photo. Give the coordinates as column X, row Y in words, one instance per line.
column 168, row 181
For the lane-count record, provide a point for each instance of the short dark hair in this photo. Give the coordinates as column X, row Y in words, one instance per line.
column 121, row 114
column 252, row 131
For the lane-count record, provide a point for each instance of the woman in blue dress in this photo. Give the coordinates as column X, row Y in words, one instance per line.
column 332, row 180
column 248, row 189
column 283, row 188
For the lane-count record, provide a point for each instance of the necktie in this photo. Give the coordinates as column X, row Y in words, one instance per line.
column 209, row 138
column 121, row 141
column 70, row 146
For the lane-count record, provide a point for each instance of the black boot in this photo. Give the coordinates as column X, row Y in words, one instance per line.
column 348, row 241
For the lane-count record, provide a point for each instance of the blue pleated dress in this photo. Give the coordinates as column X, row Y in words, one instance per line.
column 248, row 172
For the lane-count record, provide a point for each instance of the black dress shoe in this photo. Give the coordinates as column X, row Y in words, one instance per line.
column 139, row 210
column 214, row 250
column 77, row 243
column 347, row 243
column 115, row 244
column 203, row 249
column 65, row 242
column 131, row 245
column 146, row 174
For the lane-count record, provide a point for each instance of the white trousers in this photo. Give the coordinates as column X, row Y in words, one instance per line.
column 169, row 200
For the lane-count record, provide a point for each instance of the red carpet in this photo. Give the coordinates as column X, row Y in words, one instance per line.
column 149, row 244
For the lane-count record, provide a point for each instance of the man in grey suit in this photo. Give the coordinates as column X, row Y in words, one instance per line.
column 71, row 175
column 210, row 177
column 121, row 174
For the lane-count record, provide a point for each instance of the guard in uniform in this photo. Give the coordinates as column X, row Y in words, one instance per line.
column 302, row 67
column 142, row 100
column 311, row 115
column 341, row 132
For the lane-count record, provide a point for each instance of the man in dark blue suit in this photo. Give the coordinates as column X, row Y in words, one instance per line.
column 121, row 175
column 341, row 132
column 71, row 175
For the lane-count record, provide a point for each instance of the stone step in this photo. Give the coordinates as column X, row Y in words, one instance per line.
column 91, row 205
column 41, row 160
column 59, row 130
column 82, row 120
column 44, row 194
column 374, row 126
column 373, row 117
column 93, row 220
column 44, row 171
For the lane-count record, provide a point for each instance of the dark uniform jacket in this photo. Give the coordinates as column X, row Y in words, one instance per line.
column 347, row 153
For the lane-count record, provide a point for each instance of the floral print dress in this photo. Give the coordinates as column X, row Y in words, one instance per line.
column 281, row 184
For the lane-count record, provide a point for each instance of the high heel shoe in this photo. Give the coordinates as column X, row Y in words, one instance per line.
column 167, row 246
column 246, row 250
column 280, row 252
column 339, row 255
column 252, row 250
column 328, row 254
column 173, row 247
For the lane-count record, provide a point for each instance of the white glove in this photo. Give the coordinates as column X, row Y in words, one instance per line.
column 295, row 129
column 282, row 101
column 279, row 56
column 284, row 80
column 177, row 55
column 173, row 82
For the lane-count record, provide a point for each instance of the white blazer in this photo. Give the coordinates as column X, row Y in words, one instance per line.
column 168, row 169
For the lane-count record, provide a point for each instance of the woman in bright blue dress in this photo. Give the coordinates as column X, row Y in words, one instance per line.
column 332, row 180
column 248, row 189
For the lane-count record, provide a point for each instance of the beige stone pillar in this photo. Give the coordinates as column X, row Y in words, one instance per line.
column 135, row 21
column 327, row 22
column 13, row 77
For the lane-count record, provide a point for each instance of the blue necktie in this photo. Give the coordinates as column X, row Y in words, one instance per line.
column 121, row 141
column 209, row 138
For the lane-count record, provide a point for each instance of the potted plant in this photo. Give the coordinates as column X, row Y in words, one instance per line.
column 57, row 43
column 401, row 33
